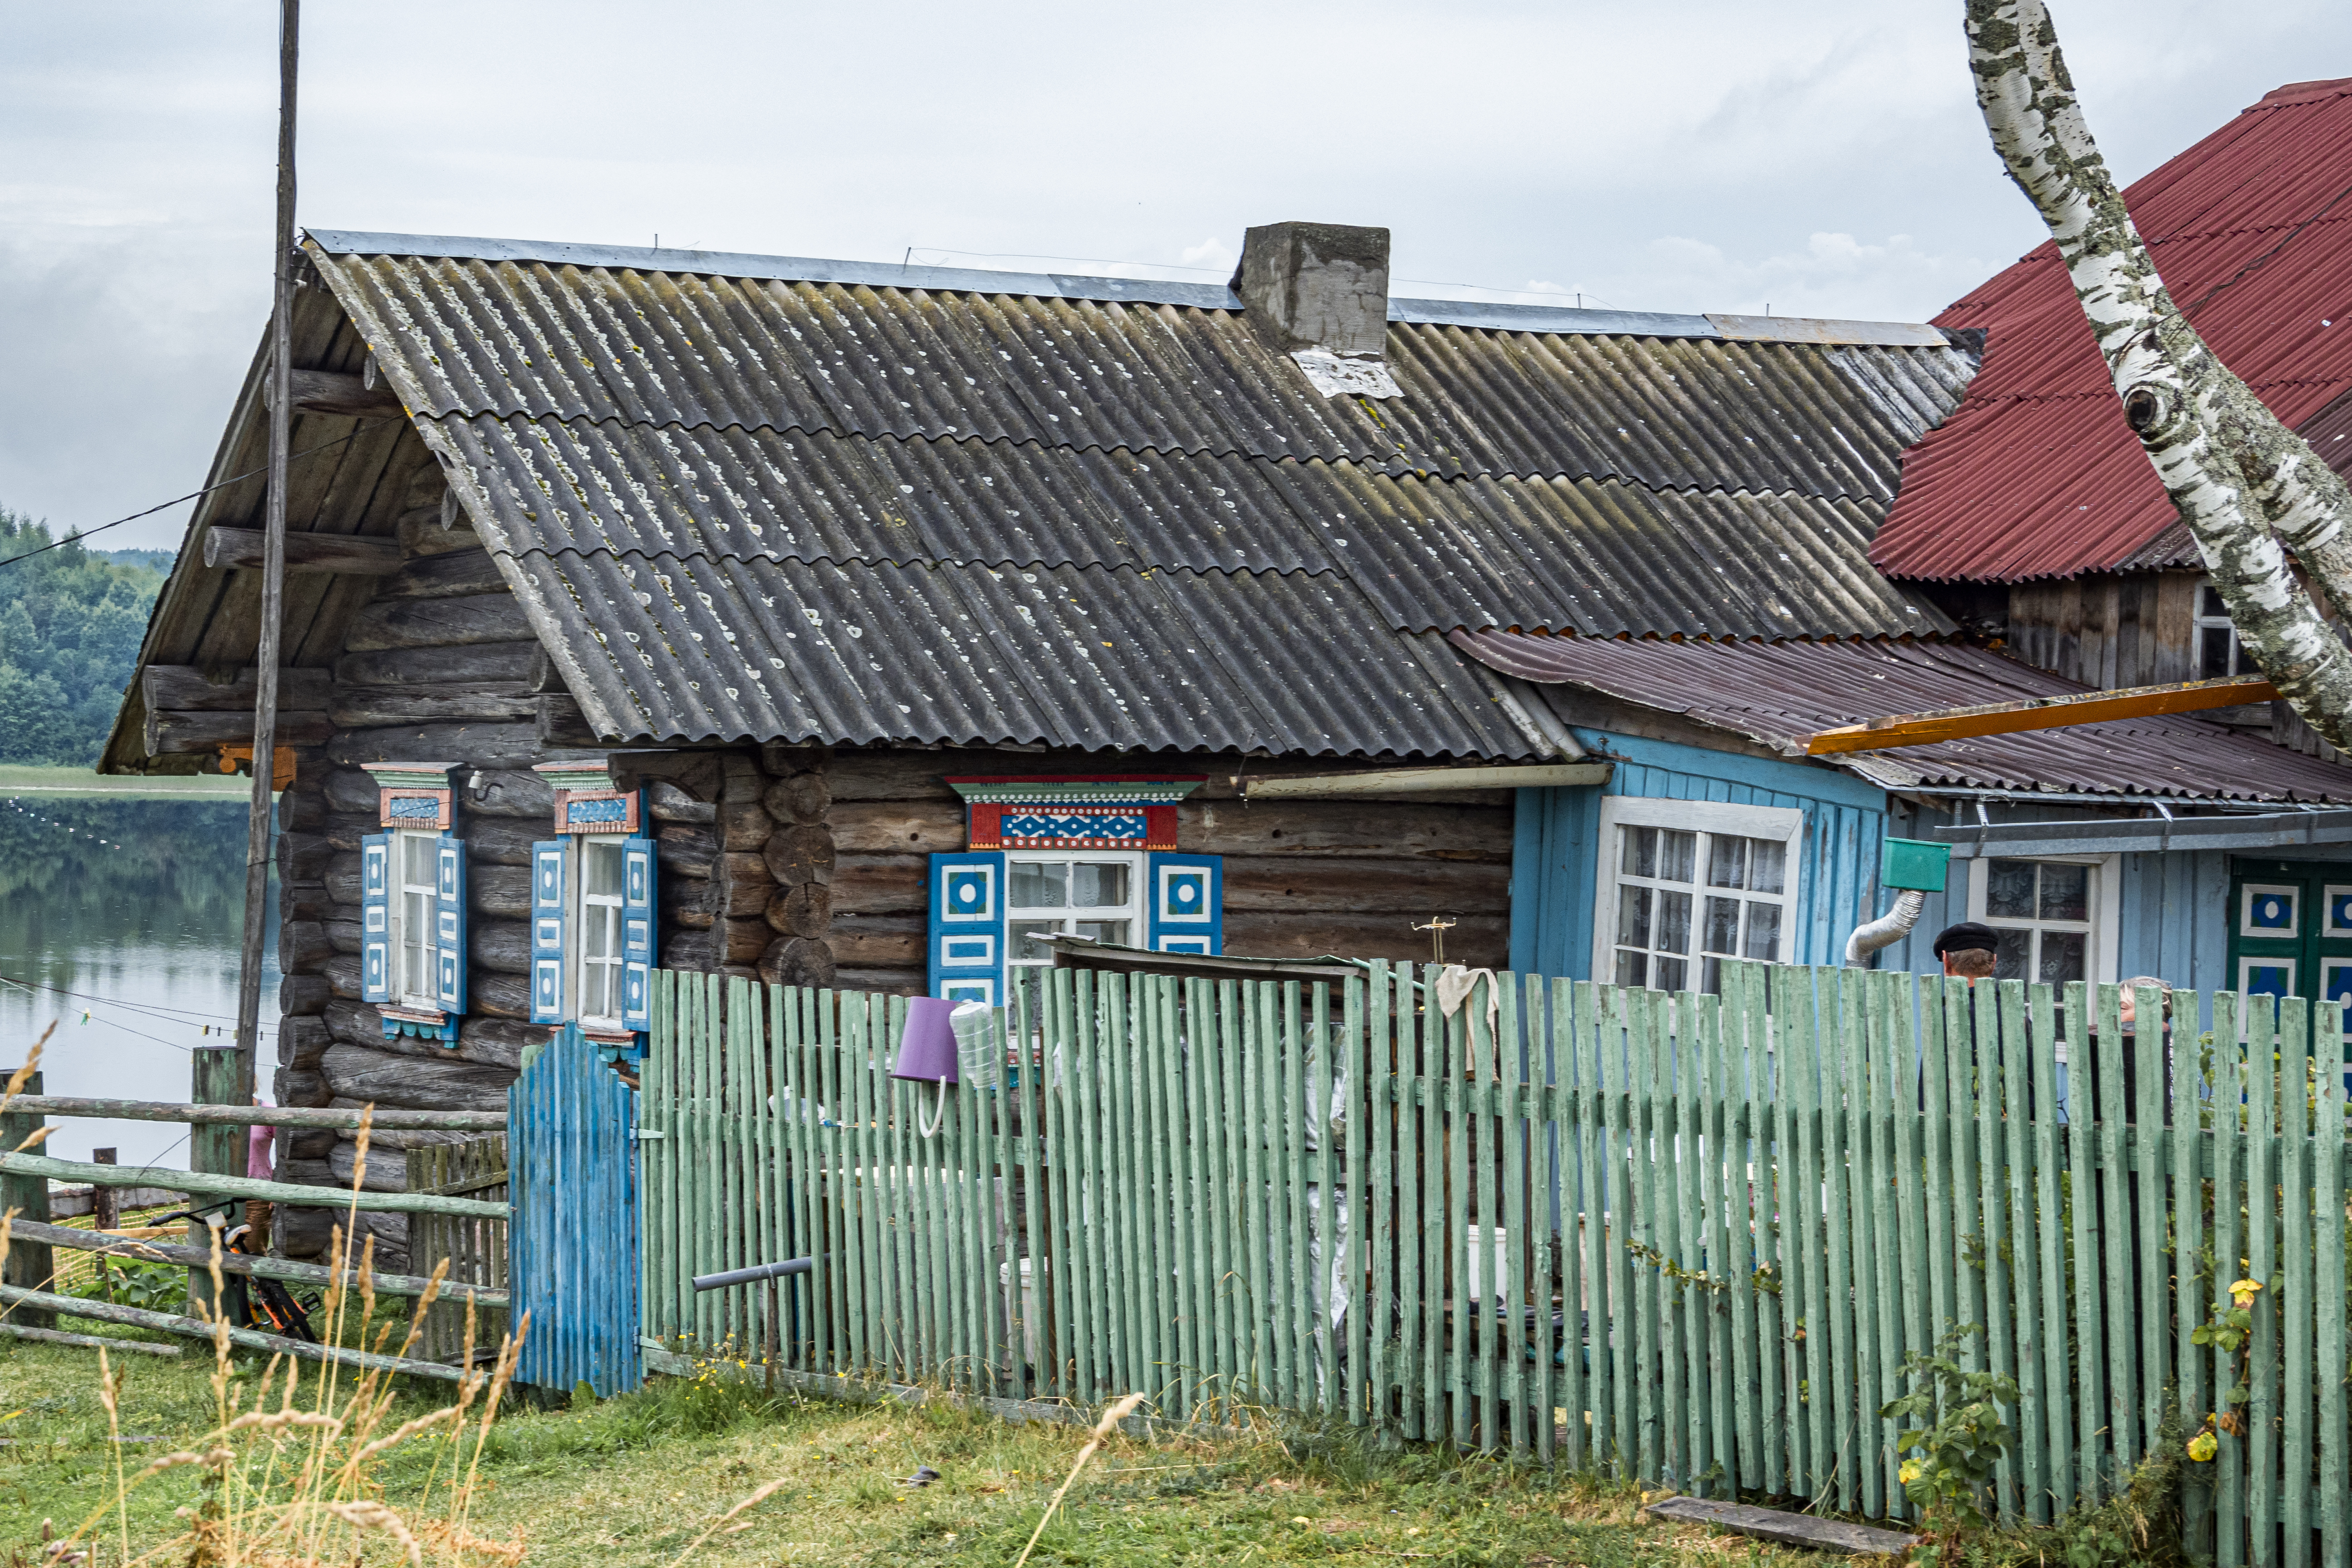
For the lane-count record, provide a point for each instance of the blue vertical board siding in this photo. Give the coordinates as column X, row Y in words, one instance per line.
column 571, row 1253
column 2176, row 918
column 1554, row 854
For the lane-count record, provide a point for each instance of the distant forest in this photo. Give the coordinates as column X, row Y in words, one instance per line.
column 70, row 621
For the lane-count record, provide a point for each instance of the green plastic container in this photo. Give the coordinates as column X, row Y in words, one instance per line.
column 1912, row 863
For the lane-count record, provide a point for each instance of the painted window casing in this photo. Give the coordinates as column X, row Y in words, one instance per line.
column 1167, row 902
column 592, row 933
column 1683, row 885
column 2058, row 916
column 2220, row 651
column 413, row 925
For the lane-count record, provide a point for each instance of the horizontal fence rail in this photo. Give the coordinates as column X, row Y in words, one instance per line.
column 1687, row 1239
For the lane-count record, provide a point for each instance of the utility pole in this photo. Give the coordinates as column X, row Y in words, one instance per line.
column 259, row 848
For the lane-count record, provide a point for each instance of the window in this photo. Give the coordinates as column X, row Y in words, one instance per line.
column 417, row 906
column 413, row 925
column 2290, row 929
column 592, row 931
column 600, row 931
column 2056, row 918
column 1688, row 884
column 986, row 906
column 2219, row 651
column 1098, row 895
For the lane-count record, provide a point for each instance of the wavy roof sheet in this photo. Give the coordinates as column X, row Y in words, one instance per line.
column 1779, row 694
column 2037, row 475
column 775, row 438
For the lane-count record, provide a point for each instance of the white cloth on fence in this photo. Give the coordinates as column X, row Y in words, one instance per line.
column 1455, row 983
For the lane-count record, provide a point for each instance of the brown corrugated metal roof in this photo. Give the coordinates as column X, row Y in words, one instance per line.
column 1782, row 693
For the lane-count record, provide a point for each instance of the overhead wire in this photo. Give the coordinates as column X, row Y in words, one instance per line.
column 76, row 538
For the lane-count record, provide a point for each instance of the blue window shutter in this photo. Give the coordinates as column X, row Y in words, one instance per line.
column 637, row 934
column 1187, row 899
column 375, row 917
column 449, row 924
column 966, row 930
column 547, row 931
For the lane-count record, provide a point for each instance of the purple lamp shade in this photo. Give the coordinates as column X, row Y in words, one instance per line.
column 926, row 1051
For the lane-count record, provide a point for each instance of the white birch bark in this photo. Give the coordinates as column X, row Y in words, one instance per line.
column 2249, row 489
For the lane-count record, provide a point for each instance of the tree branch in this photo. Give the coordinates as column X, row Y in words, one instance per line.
column 2241, row 481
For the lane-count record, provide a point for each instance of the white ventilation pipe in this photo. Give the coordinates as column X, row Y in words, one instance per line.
column 1886, row 929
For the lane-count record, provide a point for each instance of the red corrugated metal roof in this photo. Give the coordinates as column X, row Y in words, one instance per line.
column 2036, row 474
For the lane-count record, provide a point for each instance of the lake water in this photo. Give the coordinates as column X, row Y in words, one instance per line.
column 120, row 919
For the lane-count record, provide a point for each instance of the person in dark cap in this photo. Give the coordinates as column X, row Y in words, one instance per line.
column 1967, row 950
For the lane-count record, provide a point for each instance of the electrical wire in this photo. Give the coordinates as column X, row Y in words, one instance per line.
column 192, row 495
column 91, row 1014
column 157, row 1011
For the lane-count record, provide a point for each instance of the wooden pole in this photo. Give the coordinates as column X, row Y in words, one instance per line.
column 273, row 567
column 196, row 1328
column 139, row 1249
column 262, row 1115
column 29, row 1263
column 245, row 1187
column 105, row 1214
column 213, row 1149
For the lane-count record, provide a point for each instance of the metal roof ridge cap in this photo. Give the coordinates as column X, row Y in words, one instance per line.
column 777, row 269
column 1828, row 332
column 1548, row 318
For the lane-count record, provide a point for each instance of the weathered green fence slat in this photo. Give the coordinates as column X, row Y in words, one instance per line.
column 1356, row 1147
column 2261, row 1255
column 2294, row 1313
column 2054, row 1480
column 2228, row 1114
column 2329, row 1290
column 1886, row 1105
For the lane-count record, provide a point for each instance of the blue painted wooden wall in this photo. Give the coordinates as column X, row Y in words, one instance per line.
column 571, row 1249
column 1552, row 861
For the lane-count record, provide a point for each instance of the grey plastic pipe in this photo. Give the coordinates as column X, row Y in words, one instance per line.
column 1886, row 929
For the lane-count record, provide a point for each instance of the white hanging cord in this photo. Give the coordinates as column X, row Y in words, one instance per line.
column 932, row 1130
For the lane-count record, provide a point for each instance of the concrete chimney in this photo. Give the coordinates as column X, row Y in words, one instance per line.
column 1320, row 290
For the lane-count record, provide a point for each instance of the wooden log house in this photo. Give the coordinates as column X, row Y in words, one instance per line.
column 846, row 624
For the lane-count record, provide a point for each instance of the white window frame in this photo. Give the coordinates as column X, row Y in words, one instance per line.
column 398, row 893
column 2241, row 661
column 1136, row 911
column 1783, row 823
column 583, row 908
column 2103, row 951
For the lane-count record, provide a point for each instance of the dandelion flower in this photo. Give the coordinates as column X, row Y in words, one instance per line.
column 2201, row 1447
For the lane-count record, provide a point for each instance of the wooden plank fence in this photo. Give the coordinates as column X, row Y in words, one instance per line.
column 1691, row 1239
column 474, row 1248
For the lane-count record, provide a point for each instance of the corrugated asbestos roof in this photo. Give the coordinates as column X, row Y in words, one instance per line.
column 2037, row 475
column 1779, row 694
column 1037, row 457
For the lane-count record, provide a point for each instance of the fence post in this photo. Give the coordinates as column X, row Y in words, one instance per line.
column 213, row 1080
column 30, row 1263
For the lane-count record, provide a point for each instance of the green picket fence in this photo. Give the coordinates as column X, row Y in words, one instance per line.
column 1687, row 1239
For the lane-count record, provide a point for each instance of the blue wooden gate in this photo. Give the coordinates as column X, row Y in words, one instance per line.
column 571, row 1252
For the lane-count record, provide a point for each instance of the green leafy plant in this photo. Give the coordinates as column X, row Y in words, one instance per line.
column 2232, row 1325
column 1954, row 1435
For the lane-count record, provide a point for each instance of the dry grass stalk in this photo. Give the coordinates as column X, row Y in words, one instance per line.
column 1102, row 1434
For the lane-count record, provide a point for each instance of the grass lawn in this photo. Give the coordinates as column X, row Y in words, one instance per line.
column 81, row 780
column 633, row 1480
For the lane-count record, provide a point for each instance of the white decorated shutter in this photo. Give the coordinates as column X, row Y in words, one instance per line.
column 547, row 931
column 449, row 924
column 637, row 873
column 1187, row 903
column 375, row 917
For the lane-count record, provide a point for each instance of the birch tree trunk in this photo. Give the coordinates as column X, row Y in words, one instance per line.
column 2249, row 489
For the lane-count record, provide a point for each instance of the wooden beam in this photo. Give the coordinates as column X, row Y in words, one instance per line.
column 209, row 1185
column 260, row 1115
column 349, row 555
column 89, row 1342
column 335, row 391
column 186, row 689
column 1784, row 1529
column 173, row 730
column 2039, row 713
column 138, row 1250
column 251, row 1338
column 1424, row 781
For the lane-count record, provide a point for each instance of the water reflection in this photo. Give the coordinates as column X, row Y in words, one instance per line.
column 120, row 919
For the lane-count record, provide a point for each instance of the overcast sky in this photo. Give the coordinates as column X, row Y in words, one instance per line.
column 1821, row 157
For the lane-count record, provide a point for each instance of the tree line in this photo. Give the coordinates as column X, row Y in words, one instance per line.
column 71, row 623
